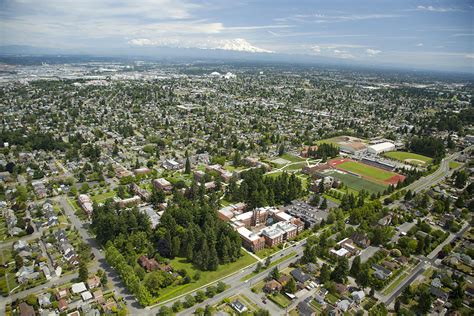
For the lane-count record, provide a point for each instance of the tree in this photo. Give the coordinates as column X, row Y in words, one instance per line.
column 356, row 265
column 200, row 296
column 237, row 159
column 275, row 273
column 29, row 229
column 18, row 262
column 315, row 200
column 187, row 168
column 324, row 204
column 339, row 274
column 103, row 277
column 258, row 267
column 197, row 275
column 211, row 291
column 268, row 261
column 83, row 271
column 177, row 306
column 165, row 311
column 290, row 287
column 424, row 302
column 189, row 301
column 324, row 273
column 220, row 287
column 397, row 305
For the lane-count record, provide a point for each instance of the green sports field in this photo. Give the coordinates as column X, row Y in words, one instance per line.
column 408, row 157
column 357, row 184
column 366, row 170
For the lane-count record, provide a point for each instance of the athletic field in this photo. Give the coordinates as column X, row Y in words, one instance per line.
column 357, row 183
column 409, row 157
column 367, row 172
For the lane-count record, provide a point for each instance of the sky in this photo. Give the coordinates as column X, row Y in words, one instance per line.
column 425, row 34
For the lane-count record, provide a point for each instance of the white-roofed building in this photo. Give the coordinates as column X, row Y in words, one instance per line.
column 381, row 148
column 78, row 287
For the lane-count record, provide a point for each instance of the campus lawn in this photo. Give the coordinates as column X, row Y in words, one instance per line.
column 296, row 166
column 291, row 158
column 366, row 170
column 206, row 276
column 403, row 155
column 357, row 184
column 274, row 174
column 102, row 197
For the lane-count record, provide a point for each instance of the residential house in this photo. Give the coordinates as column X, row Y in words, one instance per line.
column 299, row 275
column 272, row 286
column 26, row 310
column 148, row 264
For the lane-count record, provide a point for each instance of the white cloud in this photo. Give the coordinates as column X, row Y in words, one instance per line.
column 322, row 18
column 470, row 56
column 436, row 9
column 419, row 44
column 372, row 52
column 237, row 44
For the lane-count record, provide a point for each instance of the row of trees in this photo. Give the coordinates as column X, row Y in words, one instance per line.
column 127, row 274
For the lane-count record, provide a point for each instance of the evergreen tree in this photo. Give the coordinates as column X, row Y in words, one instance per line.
column 187, row 168
column 290, row 287
column 83, row 271
column 324, row 204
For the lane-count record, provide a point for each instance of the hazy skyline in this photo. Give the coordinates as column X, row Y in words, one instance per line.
column 426, row 34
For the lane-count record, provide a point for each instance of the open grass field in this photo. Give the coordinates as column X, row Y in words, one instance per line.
column 206, row 276
column 357, row 184
column 409, row 157
column 291, row 158
column 102, row 197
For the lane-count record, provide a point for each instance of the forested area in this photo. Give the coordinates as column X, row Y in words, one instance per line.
column 188, row 229
column 324, row 151
column 191, row 229
column 428, row 146
column 258, row 190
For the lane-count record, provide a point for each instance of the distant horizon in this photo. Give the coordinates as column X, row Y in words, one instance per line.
column 224, row 57
column 417, row 34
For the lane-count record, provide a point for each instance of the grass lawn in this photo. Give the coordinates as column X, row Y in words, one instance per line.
column 454, row 164
column 317, row 307
column 403, row 156
column 296, row 166
column 291, row 158
column 102, row 197
column 280, row 300
column 331, row 298
column 330, row 198
column 330, row 141
column 389, row 289
column 274, row 174
column 206, row 276
column 265, row 252
column 272, row 264
column 366, row 170
column 224, row 202
column 3, row 229
column 258, row 287
column 357, row 184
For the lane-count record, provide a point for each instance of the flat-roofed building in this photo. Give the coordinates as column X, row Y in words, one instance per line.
column 162, row 184
column 251, row 240
column 85, row 203
column 273, row 235
column 289, row 230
